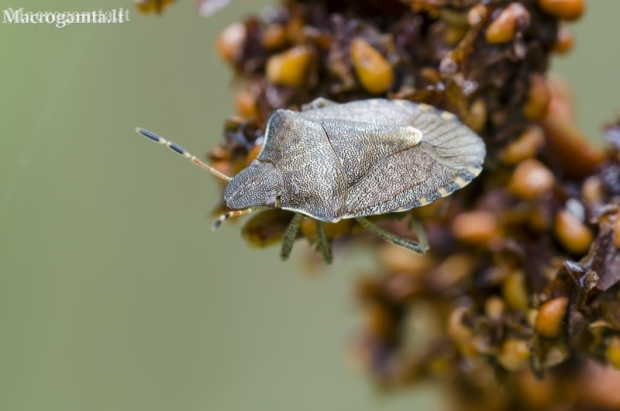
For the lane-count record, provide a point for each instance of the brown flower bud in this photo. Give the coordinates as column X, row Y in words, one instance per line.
column 524, row 147
column 514, row 291
column 454, row 34
column 550, row 316
column 245, row 101
column 332, row 230
column 592, row 190
column 274, row 37
column 575, row 236
column 373, row 70
column 514, row 354
column 513, row 18
column 230, row 41
column 564, row 41
column 565, row 9
column 398, row 259
column 253, row 153
column 475, row 227
column 617, row 231
column 476, row 119
column 612, row 352
column 460, row 334
column 573, row 151
column 149, row 6
column 377, row 320
column 289, row 68
column 477, row 14
column 538, row 99
column 530, row 180
column 494, row 307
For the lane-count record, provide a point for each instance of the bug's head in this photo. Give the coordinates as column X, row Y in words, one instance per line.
column 257, row 185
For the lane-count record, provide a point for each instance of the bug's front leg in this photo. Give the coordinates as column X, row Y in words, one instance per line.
column 410, row 245
column 323, row 243
column 290, row 236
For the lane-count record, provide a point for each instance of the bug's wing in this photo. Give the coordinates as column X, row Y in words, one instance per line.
column 399, row 182
column 359, row 145
column 448, row 157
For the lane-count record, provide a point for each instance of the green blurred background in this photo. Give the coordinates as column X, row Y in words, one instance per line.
column 114, row 292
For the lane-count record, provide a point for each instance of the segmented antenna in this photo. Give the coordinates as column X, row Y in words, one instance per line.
column 231, row 214
column 180, row 150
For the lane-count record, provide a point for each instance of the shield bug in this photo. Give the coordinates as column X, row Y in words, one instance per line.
column 335, row 161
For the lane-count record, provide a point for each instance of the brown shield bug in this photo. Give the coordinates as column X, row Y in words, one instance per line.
column 334, row 161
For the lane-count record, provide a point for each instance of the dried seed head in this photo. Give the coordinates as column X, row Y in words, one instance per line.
column 373, row 70
column 460, row 334
column 452, row 270
column 512, row 19
column 538, row 99
column 514, row 354
column 593, row 190
column 245, row 102
column 531, row 179
column 514, row 291
column 524, row 147
column 570, row 148
column 378, row 321
column 289, row 68
column 565, row 9
column 253, row 153
column 476, row 119
column 617, row 231
column 612, row 352
column 476, row 227
column 332, row 230
column 274, row 37
column 476, row 14
column 149, row 6
column 564, row 42
column 454, row 34
column 494, row 307
column 550, row 316
column 398, row 259
column 230, row 42
column 575, row 236
column 556, row 354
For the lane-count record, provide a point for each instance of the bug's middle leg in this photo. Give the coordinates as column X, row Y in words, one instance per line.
column 323, row 243
column 290, row 236
column 410, row 245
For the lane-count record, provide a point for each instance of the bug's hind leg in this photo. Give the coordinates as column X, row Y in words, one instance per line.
column 317, row 103
column 393, row 238
column 416, row 224
column 323, row 243
column 290, row 236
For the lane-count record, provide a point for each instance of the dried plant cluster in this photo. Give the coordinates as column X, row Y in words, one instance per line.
column 522, row 279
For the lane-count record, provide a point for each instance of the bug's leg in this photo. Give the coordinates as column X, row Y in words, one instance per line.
column 323, row 243
column 393, row 238
column 290, row 236
column 418, row 227
column 317, row 103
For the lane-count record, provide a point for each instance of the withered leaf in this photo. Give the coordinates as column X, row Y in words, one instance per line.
column 603, row 260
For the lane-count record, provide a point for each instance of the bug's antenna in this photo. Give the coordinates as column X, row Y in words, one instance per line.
column 231, row 214
column 180, row 150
